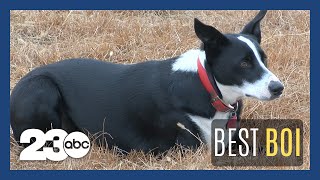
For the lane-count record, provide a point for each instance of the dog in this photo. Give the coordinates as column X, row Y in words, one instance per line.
column 150, row 106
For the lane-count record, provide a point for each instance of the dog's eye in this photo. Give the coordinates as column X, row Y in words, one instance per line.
column 245, row 63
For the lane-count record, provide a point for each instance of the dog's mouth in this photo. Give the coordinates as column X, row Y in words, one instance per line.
column 264, row 98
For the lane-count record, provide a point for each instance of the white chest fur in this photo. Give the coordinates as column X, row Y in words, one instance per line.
column 204, row 124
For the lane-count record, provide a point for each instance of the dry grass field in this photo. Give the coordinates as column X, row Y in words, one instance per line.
column 42, row 37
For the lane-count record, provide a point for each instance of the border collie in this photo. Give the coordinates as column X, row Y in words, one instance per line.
column 154, row 105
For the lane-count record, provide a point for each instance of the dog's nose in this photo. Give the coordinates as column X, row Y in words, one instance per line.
column 275, row 88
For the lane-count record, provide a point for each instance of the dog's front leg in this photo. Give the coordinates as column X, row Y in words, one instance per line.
column 188, row 136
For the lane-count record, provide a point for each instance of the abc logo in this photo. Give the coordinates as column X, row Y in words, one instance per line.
column 75, row 145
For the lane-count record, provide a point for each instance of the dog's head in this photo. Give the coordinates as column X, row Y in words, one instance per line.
column 238, row 63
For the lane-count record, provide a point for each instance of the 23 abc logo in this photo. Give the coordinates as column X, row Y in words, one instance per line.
column 75, row 145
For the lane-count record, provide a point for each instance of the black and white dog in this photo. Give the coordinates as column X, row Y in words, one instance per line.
column 142, row 106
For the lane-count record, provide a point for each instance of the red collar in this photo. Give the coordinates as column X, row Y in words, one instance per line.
column 216, row 102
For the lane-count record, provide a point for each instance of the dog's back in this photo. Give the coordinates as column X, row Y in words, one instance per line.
column 102, row 97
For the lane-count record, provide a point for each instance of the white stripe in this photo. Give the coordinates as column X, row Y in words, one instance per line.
column 254, row 49
column 271, row 76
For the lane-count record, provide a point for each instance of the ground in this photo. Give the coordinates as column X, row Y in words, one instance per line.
column 42, row 37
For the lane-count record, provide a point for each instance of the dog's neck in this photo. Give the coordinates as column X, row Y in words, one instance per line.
column 230, row 94
column 187, row 62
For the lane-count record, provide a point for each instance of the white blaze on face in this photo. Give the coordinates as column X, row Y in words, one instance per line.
column 259, row 88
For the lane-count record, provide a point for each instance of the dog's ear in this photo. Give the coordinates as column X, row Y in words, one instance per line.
column 208, row 34
column 253, row 27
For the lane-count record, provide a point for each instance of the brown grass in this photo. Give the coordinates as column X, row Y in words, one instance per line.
column 42, row 37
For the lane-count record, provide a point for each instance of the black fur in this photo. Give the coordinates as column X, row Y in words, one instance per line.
column 138, row 105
